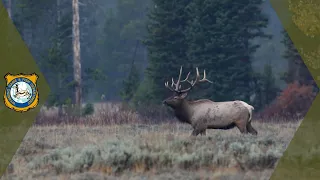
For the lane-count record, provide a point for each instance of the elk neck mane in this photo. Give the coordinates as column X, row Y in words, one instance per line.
column 199, row 101
column 183, row 113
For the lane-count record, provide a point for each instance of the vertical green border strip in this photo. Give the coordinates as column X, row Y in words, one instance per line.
column 301, row 160
column 15, row 58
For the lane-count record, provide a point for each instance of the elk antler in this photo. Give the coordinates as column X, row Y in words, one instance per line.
column 176, row 86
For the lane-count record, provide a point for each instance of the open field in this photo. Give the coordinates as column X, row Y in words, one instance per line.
column 164, row 151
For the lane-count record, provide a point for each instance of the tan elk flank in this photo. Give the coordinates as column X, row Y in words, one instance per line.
column 205, row 114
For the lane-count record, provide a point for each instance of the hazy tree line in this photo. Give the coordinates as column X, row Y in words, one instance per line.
column 142, row 43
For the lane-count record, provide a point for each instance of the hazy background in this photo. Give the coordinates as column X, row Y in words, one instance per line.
column 271, row 51
column 115, row 51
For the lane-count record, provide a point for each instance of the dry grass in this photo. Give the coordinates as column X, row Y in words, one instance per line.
column 106, row 114
column 139, row 151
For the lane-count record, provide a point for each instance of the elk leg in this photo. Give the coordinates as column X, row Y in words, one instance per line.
column 250, row 129
column 242, row 127
column 203, row 133
column 198, row 128
column 196, row 132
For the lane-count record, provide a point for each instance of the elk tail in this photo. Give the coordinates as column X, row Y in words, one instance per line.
column 250, row 109
column 250, row 116
column 249, row 127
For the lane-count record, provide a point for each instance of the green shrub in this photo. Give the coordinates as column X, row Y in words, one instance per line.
column 88, row 109
column 186, row 154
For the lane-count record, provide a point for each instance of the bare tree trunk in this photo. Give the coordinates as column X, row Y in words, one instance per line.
column 76, row 52
column 9, row 9
column 9, row 28
column 60, row 108
column 30, row 37
column 59, row 38
column 134, row 56
column 27, row 33
column 58, row 12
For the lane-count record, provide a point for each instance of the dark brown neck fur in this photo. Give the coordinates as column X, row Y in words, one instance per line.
column 183, row 112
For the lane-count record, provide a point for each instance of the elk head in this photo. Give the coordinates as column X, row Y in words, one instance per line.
column 179, row 94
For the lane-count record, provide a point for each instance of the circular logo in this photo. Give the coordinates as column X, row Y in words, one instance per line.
column 21, row 92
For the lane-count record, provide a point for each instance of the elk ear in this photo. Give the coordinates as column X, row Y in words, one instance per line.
column 183, row 95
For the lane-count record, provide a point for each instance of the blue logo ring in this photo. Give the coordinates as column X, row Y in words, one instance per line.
column 31, row 93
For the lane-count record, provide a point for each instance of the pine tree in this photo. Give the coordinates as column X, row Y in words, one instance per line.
column 218, row 40
column 297, row 70
column 123, row 32
column 130, row 85
column 166, row 44
column 269, row 88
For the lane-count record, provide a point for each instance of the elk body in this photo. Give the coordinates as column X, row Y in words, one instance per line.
column 205, row 114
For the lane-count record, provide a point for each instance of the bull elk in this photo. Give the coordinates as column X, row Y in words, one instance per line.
column 205, row 114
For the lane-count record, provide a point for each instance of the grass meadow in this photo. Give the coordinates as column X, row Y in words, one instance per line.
column 115, row 143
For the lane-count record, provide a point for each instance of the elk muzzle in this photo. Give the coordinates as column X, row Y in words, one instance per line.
column 164, row 102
